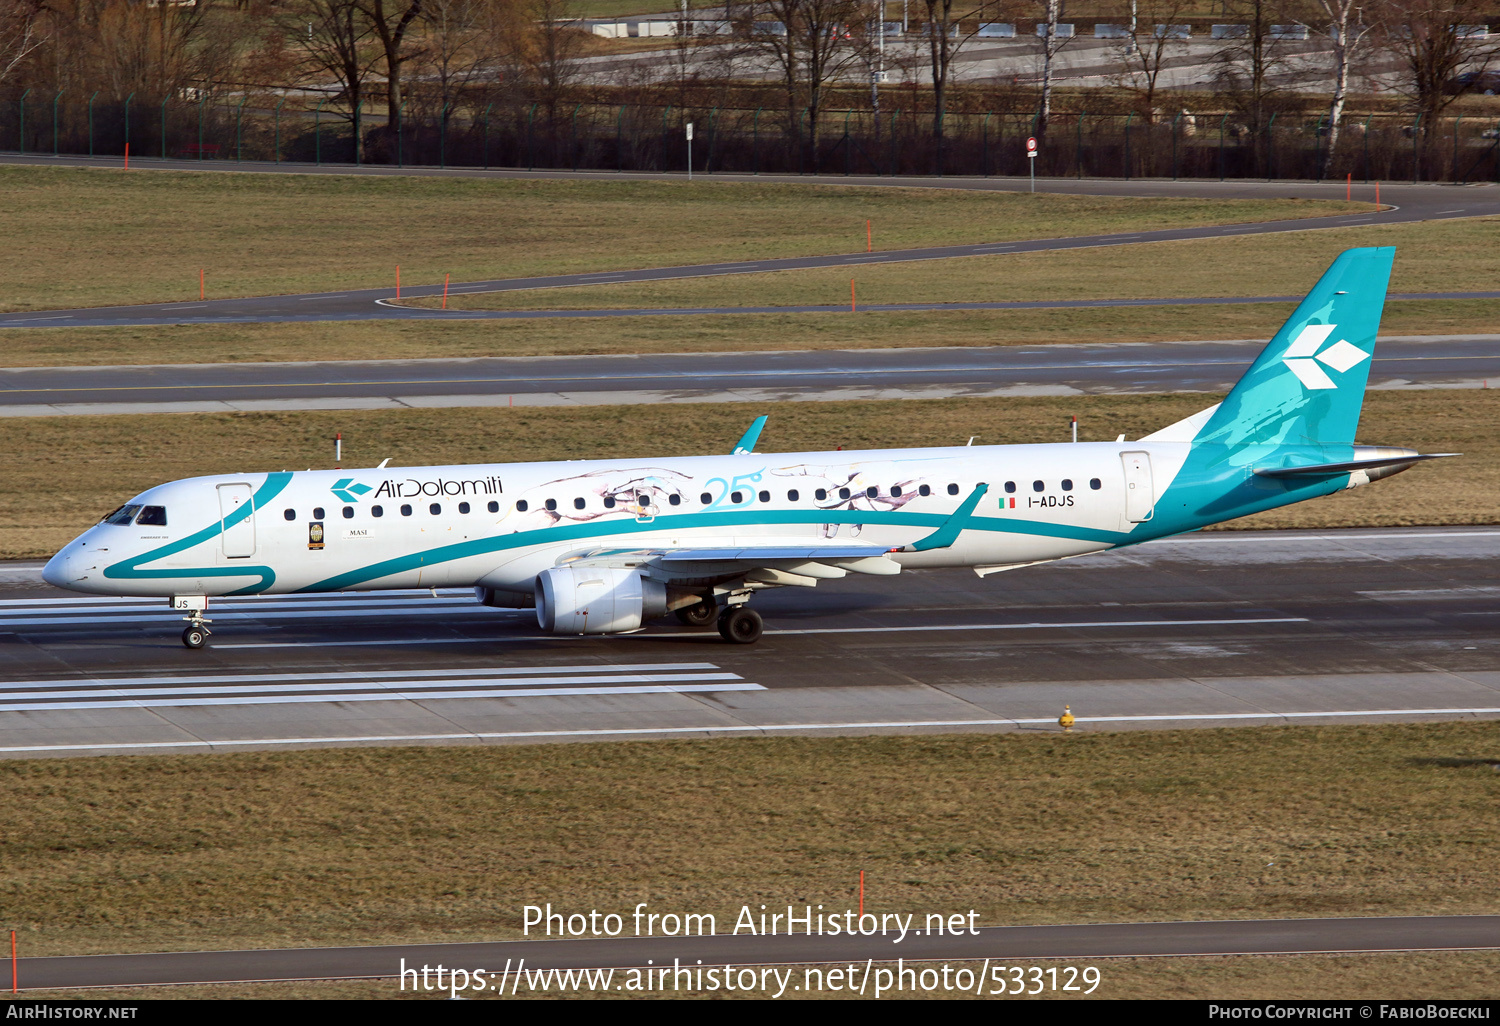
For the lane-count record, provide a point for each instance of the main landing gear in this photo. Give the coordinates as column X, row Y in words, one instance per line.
column 740, row 625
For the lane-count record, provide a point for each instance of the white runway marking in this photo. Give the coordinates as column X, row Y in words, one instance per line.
column 358, row 686
column 746, row 729
column 1043, row 626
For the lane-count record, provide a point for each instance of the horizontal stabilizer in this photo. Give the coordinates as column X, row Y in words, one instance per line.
column 1403, row 461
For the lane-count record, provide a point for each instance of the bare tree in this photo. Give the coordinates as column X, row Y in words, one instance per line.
column 390, row 21
column 1052, row 42
column 1251, row 63
column 1347, row 34
column 555, row 44
column 21, row 32
column 944, row 40
column 1436, row 41
column 1149, row 42
column 338, row 43
column 455, row 54
column 809, row 43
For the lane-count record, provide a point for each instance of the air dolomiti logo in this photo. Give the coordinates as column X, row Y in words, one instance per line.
column 347, row 490
column 1303, row 357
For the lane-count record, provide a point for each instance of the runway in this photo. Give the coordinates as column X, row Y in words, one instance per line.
column 1401, row 362
column 1207, row 630
column 1404, row 204
column 497, row 967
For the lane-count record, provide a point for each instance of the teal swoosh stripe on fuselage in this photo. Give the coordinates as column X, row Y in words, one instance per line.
column 129, row 569
column 691, row 521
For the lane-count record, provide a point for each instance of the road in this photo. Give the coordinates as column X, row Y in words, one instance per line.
column 760, row 377
column 1406, row 204
column 1206, row 630
column 1002, row 944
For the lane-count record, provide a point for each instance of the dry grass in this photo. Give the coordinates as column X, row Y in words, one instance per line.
column 1443, row 975
column 1430, row 257
column 420, row 844
column 146, row 234
column 59, row 474
column 279, row 342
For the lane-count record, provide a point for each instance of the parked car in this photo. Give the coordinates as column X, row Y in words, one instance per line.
column 1486, row 82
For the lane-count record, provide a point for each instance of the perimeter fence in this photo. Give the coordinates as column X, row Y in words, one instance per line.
column 632, row 137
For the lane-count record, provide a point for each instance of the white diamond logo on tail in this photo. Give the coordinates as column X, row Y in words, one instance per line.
column 1342, row 355
column 1302, row 357
column 1310, row 374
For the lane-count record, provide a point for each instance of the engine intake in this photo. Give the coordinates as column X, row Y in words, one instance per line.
column 596, row 600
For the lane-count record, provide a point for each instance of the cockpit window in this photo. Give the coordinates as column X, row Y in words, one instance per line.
column 152, row 516
column 122, row 516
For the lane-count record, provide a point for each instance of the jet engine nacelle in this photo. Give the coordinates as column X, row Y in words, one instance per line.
column 596, row 600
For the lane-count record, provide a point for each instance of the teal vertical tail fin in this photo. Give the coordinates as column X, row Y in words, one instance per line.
column 1308, row 385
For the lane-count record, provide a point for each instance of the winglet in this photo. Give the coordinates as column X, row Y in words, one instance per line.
column 947, row 534
column 746, row 445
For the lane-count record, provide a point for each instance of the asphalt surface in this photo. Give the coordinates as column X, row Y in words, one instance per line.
column 501, row 963
column 1405, row 204
column 1401, row 362
column 1208, row 630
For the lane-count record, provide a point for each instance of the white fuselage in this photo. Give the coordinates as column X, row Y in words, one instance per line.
column 500, row 525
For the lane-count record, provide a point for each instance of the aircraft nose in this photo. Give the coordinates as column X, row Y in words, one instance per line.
column 55, row 572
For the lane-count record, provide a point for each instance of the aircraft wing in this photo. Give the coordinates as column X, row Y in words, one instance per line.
column 801, row 564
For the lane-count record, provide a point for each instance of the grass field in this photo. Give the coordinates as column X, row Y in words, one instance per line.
column 238, row 343
column 145, row 235
column 1462, row 255
column 58, row 475
column 378, row 844
column 1430, row 257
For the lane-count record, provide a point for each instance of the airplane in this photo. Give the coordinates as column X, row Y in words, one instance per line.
column 604, row 546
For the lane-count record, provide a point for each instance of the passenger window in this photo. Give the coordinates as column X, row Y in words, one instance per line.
column 792, row 495
column 871, row 492
column 434, row 509
column 1010, row 486
column 289, row 514
column 1094, row 483
column 152, row 516
column 705, row 498
column 896, row 492
column 642, row 499
column 318, row 513
column 765, row 496
column 522, row 506
column 377, row 511
column 924, row 490
column 578, row 503
column 463, row 507
column 551, row 504
column 822, row 494
column 1067, row 484
column 953, row 489
column 494, row 506
column 348, row 512
column 843, row 493
column 675, row 500
column 1038, row 486
column 405, row 510
column 736, row 497
column 609, row 502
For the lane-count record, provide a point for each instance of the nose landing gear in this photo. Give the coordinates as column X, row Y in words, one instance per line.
column 196, row 634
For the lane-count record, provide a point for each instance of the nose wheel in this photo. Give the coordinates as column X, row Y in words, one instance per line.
column 195, row 637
